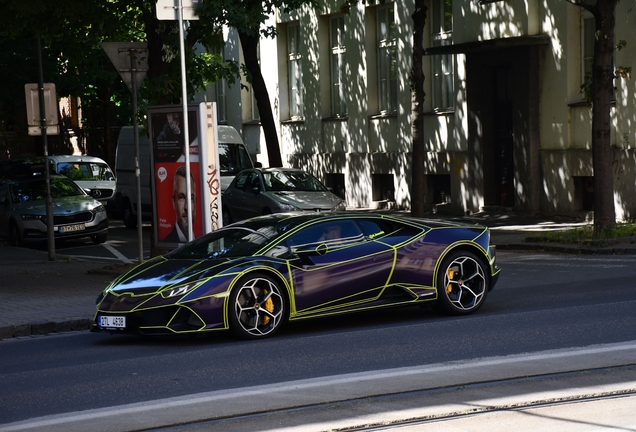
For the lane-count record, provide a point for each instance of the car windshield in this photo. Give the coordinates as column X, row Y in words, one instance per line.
column 291, row 181
column 233, row 158
column 231, row 242
column 85, row 171
column 35, row 190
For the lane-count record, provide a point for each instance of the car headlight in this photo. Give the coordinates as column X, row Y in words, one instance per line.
column 179, row 290
column 287, row 207
column 342, row 206
column 27, row 217
column 99, row 208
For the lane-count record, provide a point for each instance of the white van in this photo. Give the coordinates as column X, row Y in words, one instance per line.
column 90, row 173
column 233, row 157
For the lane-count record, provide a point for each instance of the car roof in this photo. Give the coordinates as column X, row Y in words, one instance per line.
column 76, row 158
column 275, row 169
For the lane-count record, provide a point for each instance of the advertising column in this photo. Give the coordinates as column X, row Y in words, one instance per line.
column 169, row 175
column 210, row 169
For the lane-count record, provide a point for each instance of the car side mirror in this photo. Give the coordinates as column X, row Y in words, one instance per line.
column 258, row 165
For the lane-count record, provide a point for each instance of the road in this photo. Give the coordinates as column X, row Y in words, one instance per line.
column 120, row 248
column 542, row 302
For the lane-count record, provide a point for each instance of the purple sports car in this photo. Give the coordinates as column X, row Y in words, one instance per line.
column 253, row 276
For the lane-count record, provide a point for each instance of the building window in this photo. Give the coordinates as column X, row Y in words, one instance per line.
column 383, row 187
column 295, row 72
column 338, row 67
column 442, row 34
column 387, row 58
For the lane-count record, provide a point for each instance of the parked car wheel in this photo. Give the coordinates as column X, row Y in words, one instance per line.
column 462, row 283
column 257, row 307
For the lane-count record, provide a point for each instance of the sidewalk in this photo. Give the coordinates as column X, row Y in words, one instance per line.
column 38, row 296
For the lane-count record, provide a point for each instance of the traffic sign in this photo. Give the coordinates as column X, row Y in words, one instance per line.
column 128, row 57
column 33, row 104
column 168, row 10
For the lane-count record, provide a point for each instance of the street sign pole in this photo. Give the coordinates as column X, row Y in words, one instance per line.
column 186, row 132
column 137, row 170
column 132, row 67
column 166, row 11
column 49, row 201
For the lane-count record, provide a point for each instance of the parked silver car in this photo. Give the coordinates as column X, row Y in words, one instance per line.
column 23, row 210
column 90, row 173
column 259, row 191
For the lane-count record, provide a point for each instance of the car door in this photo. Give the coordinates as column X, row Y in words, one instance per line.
column 242, row 195
column 337, row 266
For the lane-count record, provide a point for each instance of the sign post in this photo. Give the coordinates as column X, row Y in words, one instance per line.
column 131, row 61
column 166, row 11
column 42, row 118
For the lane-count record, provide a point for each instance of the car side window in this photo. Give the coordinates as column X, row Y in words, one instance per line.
column 241, row 179
column 376, row 229
column 253, row 181
column 335, row 234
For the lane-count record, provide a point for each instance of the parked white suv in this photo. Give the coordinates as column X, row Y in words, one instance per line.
column 90, row 173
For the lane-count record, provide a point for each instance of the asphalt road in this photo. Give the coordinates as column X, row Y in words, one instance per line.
column 542, row 302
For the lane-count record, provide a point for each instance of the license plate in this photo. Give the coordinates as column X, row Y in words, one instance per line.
column 71, row 228
column 112, row 321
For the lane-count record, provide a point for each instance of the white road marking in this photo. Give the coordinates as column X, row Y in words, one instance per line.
column 118, row 254
column 569, row 356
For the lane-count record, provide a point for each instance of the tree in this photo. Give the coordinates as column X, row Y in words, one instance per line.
column 601, row 93
column 248, row 17
column 418, row 181
column 76, row 63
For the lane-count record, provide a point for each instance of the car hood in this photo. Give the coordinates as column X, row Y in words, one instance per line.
column 61, row 206
column 307, row 200
column 161, row 272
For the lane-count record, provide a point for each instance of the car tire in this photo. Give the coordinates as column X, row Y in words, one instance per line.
column 129, row 218
column 15, row 238
column 100, row 238
column 462, row 283
column 257, row 307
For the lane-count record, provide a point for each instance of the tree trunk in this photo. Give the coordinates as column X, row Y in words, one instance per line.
column 418, row 178
column 602, row 85
column 249, row 44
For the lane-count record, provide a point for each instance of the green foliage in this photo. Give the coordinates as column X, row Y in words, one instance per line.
column 585, row 235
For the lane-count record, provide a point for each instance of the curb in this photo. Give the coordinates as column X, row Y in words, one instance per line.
column 44, row 328
column 568, row 249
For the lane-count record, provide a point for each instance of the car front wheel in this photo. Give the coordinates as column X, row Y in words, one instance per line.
column 256, row 308
column 462, row 283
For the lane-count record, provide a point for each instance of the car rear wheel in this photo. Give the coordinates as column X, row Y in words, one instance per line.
column 462, row 283
column 15, row 238
column 256, row 308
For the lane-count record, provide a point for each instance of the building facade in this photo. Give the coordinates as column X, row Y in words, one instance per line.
column 506, row 124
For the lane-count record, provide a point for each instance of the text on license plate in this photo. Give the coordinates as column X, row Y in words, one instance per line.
column 112, row 321
column 71, row 228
